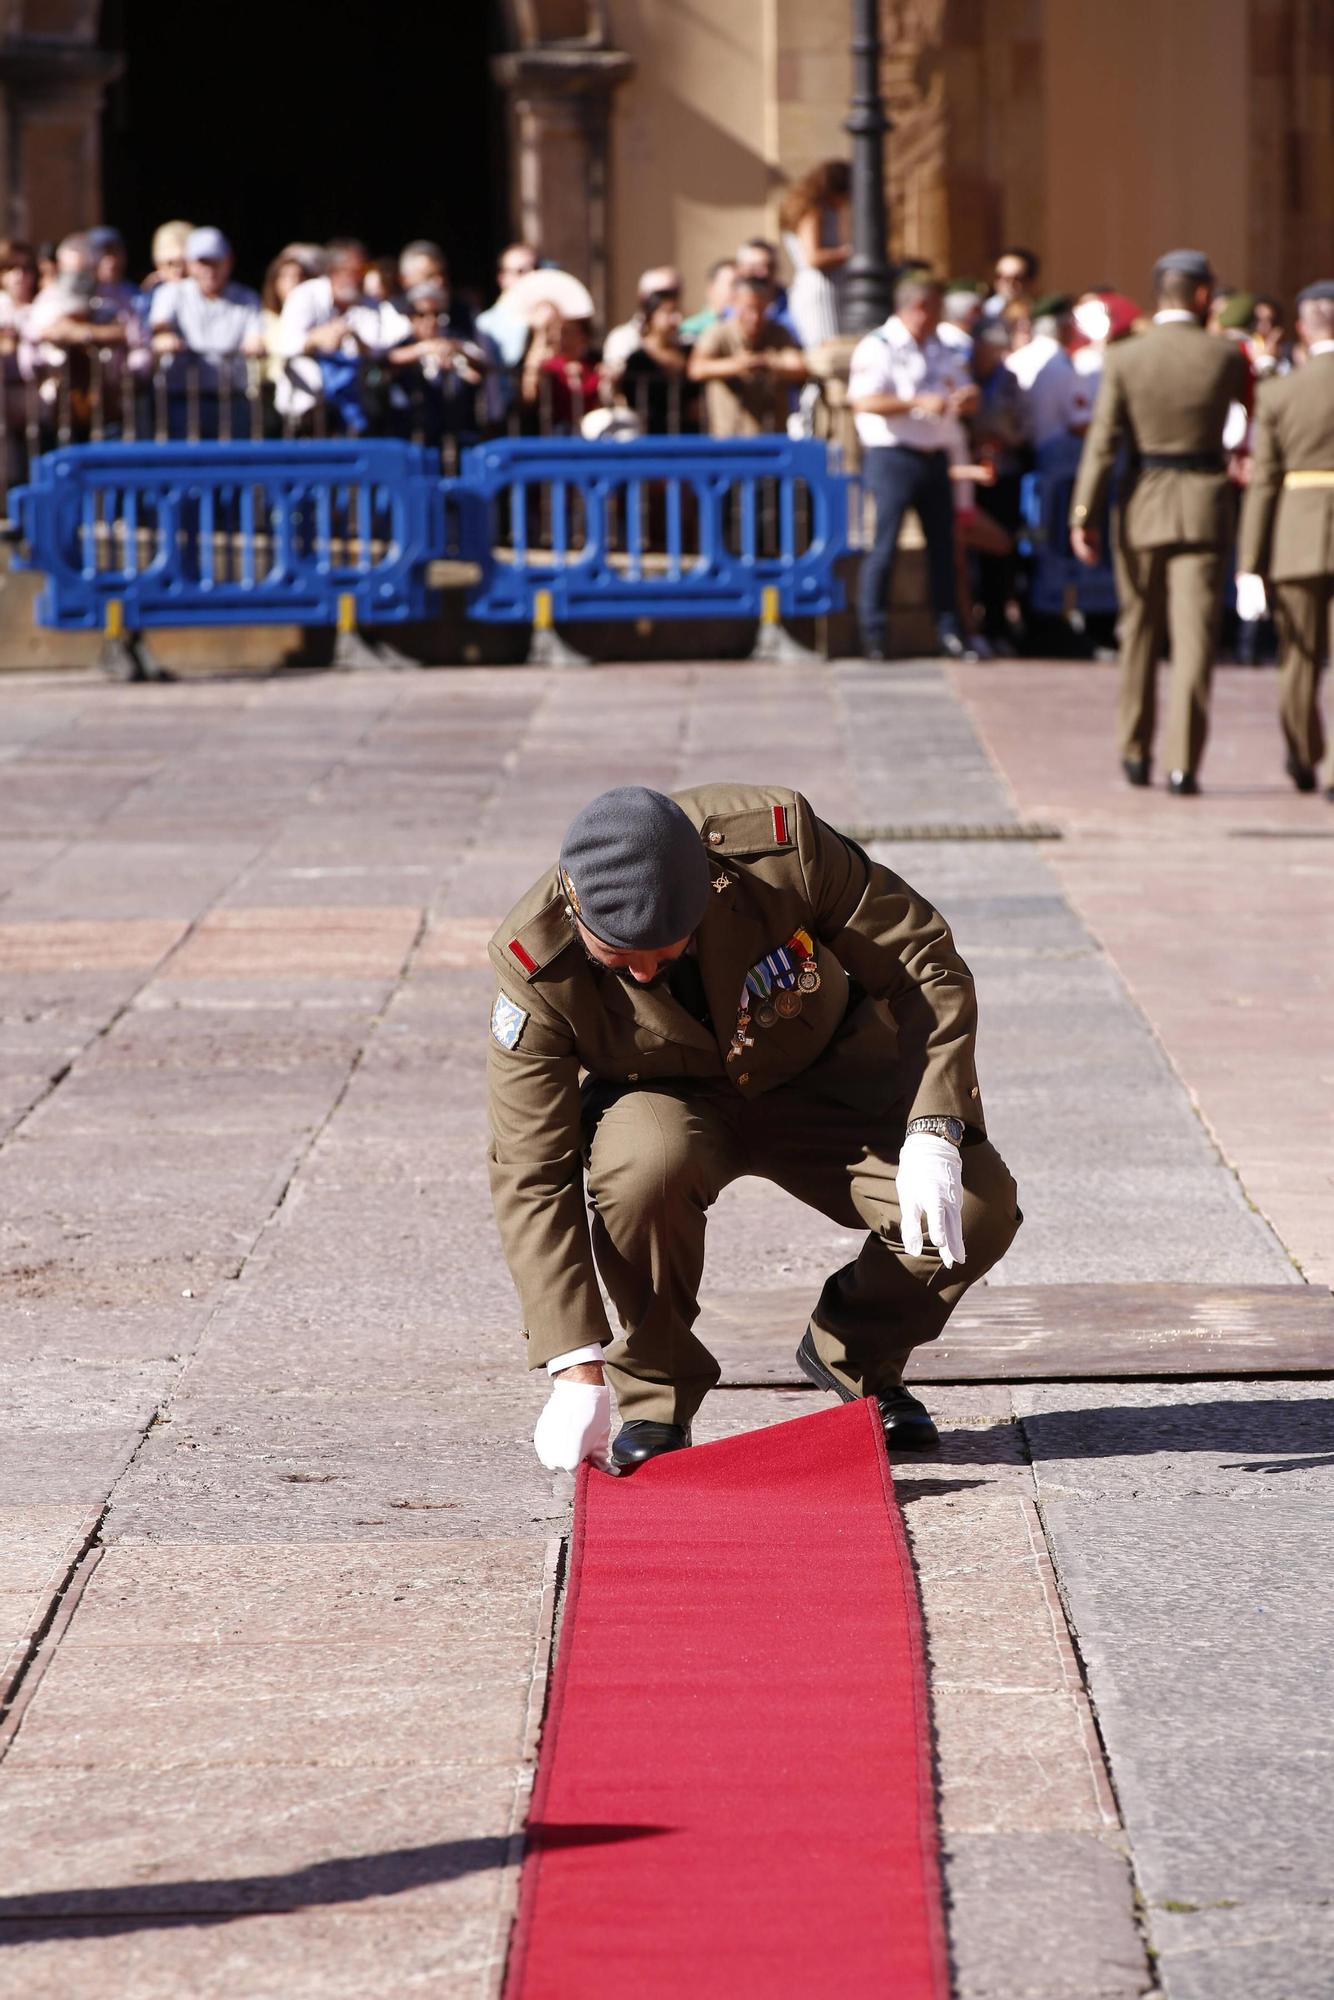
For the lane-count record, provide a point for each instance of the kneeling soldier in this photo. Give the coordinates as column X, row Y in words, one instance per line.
column 744, row 992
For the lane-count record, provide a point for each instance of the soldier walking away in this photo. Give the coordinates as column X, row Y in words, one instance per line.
column 1165, row 398
column 1287, row 527
column 710, row 986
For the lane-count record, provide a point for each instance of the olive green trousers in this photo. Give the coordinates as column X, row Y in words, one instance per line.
column 659, row 1157
column 1302, row 613
column 1168, row 594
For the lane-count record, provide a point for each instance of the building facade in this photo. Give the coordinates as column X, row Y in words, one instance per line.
column 642, row 131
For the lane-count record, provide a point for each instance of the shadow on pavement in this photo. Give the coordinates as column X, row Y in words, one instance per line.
column 353, row 1878
column 1280, row 1436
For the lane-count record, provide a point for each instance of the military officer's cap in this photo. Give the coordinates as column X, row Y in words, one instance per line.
column 1188, row 263
column 1321, row 293
column 634, row 870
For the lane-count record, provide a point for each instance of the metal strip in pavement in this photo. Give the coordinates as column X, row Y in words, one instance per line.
column 1044, row 1333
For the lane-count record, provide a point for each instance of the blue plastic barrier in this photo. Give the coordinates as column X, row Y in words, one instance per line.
column 665, row 527
column 316, row 532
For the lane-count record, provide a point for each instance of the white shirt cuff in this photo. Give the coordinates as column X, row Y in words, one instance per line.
column 591, row 1352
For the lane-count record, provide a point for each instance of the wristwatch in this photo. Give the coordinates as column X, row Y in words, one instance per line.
column 944, row 1128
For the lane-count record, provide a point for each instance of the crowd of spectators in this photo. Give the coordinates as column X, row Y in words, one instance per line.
column 337, row 340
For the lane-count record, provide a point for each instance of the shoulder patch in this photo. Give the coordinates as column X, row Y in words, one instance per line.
column 543, row 937
column 763, row 830
column 507, row 1021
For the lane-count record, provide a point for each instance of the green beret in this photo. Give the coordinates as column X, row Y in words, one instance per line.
column 1238, row 313
column 635, row 870
column 1053, row 305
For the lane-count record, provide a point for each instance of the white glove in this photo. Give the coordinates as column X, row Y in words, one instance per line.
column 930, row 1189
column 575, row 1424
column 1250, row 597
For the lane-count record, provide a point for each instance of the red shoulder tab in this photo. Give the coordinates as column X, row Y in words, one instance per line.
column 525, row 959
column 780, row 826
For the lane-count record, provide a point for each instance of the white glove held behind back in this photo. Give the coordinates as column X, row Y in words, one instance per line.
column 930, row 1190
column 575, row 1424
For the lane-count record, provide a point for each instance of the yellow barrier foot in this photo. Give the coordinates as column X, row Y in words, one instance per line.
column 774, row 644
column 546, row 648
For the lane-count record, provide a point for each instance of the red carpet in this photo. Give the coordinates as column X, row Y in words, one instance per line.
column 734, row 1798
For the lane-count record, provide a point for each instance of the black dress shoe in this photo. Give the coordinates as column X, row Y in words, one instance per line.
column 908, row 1426
column 637, row 1442
column 1136, row 769
column 1303, row 777
column 1183, row 785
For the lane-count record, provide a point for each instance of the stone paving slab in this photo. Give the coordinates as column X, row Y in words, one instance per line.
column 1210, row 1681
column 321, row 1469
column 340, row 1953
column 1042, row 1916
column 298, row 942
column 188, row 1658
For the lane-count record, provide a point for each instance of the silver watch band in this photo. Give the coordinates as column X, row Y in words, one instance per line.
column 944, row 1128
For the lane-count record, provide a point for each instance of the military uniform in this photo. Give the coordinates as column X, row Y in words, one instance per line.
column 660, row 1096
column 1287, row 536
column 1165, row 396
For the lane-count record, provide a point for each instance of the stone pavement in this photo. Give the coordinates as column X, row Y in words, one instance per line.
column 278, row 1569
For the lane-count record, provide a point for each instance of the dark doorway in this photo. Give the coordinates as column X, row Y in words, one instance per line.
column 278, row 121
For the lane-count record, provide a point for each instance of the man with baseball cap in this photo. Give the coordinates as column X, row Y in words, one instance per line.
column 1287, row 527
column 703, row 987
column 204, row 313
column 1165, row 399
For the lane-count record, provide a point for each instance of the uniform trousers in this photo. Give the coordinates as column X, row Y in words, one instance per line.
column 899, row 478
column 659, row 1156
column 1303, row 613
column 1172, row 591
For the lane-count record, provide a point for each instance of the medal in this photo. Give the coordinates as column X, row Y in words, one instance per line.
column 808, row 979
column 788, row 1004
column 767, row 1014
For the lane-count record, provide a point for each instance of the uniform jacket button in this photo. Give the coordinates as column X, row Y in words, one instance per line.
column 633, row 1076
column 744, row 1076
column 715, row 840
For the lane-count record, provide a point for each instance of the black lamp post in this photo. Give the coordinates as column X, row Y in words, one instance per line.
column 867, row 284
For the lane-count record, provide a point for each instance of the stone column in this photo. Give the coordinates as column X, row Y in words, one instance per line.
column 560, row 107
column 52, row 165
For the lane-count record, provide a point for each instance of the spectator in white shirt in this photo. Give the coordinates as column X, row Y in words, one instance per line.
column 509, row 330
column 1058, row 398
column 205, row 329
column 331, row 317
column 908, row 392
column 204, row 313
column 70, row 322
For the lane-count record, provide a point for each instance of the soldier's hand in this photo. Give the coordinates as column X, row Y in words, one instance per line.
column 1087, row 544
column 930, row 1190
column 575, row 1424
column 1251, row 602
